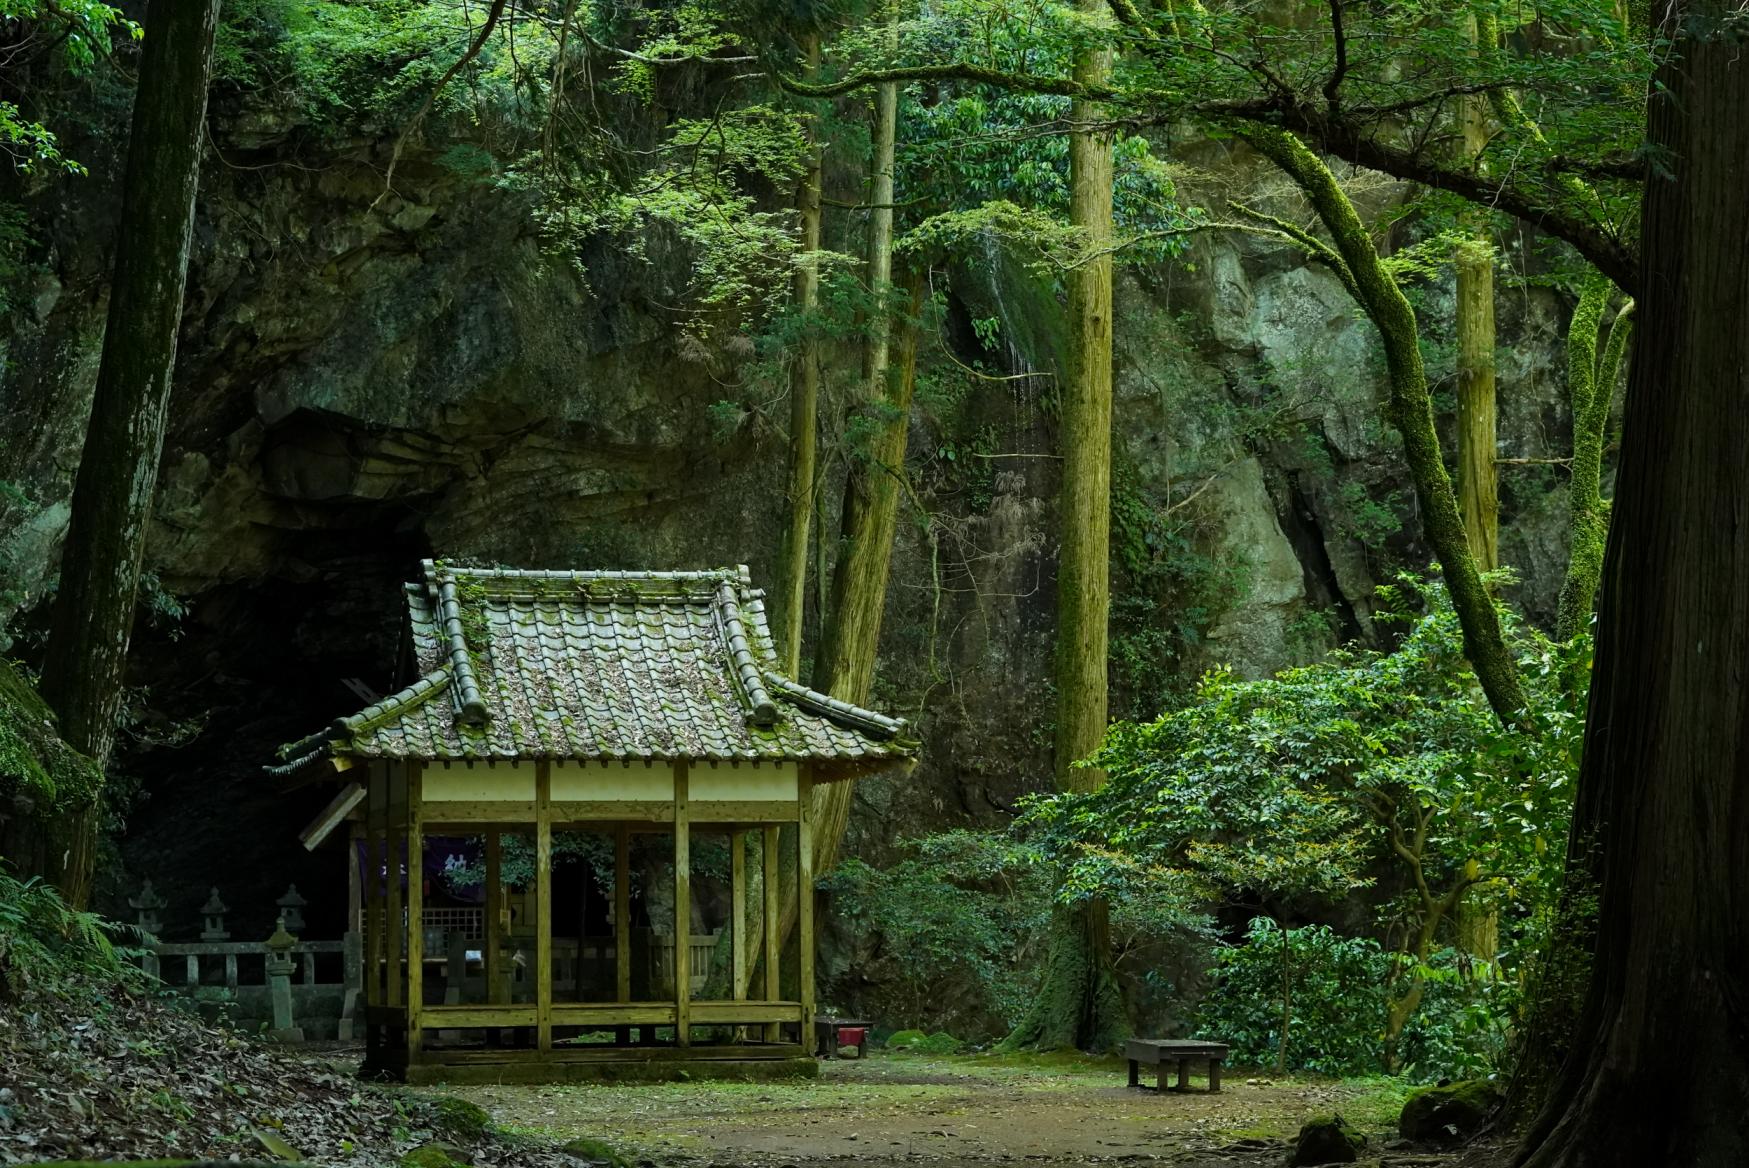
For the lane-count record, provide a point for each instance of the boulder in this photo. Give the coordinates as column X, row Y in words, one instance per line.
column 1327, row 1139
column 1449, row 1112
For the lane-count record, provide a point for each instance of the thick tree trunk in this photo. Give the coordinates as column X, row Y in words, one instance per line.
column 1660, row 1068
column 118, row 469
column 804, row 401
column 1410, row 410
column 1080, row 1003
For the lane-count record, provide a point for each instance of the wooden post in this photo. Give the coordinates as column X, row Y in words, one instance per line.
column 805, row 907
column 622, row 922
column 491, row 939
column 543, row 905
column 773, row 974
column 415, row 911
column 395, row 929
column 682, row 911
column 354, row 884
column 738, row 914
column 375, row 859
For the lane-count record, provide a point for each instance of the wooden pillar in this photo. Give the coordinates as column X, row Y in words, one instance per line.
column 492, row 928
column 805, row 906
column 682, row 910
column 622, row 922
column 738, row 914
column 415, row 910
column 543, row 905
column 773, row 973
column 354, row 882
column 375, row 864
column 395, row 929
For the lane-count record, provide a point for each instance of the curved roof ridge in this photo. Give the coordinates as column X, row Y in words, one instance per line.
column 311, row 747
column 874, row 724
column 472, row 709
column 764, row 710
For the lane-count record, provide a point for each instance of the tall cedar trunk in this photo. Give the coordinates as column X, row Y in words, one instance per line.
column 1410, row 410
column 803, row 403
column 845, row 657
column 1478, row 926
column 1080, row 1004
column 1660, row 1069
column 118, row 469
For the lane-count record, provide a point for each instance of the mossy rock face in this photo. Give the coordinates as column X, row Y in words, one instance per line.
column 433, row 1155
column 597, row 1152
column 941, row 1042
column 1450, row 1112
column 1327, row 1139
column 460, row 1120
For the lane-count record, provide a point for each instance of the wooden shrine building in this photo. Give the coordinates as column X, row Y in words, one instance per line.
column 638, row 717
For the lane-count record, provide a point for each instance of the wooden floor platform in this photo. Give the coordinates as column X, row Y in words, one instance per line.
column 594, row 1064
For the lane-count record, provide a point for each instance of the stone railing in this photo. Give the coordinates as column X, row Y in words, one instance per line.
column 293, row 988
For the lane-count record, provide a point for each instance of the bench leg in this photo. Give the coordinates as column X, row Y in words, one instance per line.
column 1184, row 1074
column 1135, row 1074
column 1214, row 1076
column 1160, row 1078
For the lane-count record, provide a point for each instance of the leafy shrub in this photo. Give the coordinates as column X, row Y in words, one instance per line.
column 1338, row 999
column 961, row 910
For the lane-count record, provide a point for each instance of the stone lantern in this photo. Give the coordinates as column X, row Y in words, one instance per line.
column 291, row 909
column 279, row 969
column 147, row 905
column 214, row 911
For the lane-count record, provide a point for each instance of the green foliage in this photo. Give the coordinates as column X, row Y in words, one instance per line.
column 48, row 947
column 1316, row 781
column 349, row 66
column 958, row 910
column 77, row 35
column 1338, row 990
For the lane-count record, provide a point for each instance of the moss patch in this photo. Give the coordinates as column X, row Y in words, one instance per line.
column 597, row 1152
column 460, row 1120
column 1450, row 1113
column 35, row 765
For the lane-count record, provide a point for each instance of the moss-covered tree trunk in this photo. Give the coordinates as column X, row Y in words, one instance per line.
column 1659, row 1068
column 804, row 402
column 844, row 660
column 118, row 468
column 1410, row 411
column 1477, row 925
column 873, row 492
column 1080, row 1003
column 1591, row 378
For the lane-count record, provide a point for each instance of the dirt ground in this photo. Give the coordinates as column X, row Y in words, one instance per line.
column 975, row 1110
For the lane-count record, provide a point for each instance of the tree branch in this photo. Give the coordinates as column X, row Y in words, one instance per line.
column 493, row 15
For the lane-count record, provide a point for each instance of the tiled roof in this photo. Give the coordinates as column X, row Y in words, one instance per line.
column 599, row 665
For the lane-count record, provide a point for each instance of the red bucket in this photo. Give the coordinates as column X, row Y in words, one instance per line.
column 852, row 1036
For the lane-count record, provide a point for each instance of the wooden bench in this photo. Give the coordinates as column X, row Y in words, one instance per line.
column 1162, row 1052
